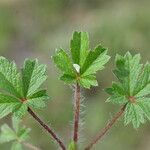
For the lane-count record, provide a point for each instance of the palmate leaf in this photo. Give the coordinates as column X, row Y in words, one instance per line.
column 21, row 89
column 83, row 64
column 132, row 89
column 17, row 134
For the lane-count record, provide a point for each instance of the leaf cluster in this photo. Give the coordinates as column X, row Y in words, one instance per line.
column 83, row 63
column 20, row 89
column 17, row 135
column 132, row 88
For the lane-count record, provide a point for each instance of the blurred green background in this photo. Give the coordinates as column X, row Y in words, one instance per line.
column 35, row 28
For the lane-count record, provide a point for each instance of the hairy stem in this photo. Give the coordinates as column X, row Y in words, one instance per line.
column 30, row 146
column 47, row 128
column 77, row 97
column 106, row 128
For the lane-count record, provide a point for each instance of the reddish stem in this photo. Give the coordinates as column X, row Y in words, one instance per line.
column 106, row 128
column 47, row 128
column 76, row 113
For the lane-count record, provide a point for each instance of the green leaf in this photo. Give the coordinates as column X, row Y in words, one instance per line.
column 38, row 99
column 79, row 47
column 40, row 93
column 33, row 75
column 143, row 84
column 16, row 146
column 144, row 104
column 7, row 134
column 72, row 146
column 21, row 92
column 134, row 114
column 84, row 64
column 63, row 62
column 87, row 81
column 18, row 134
column 10, row 78
column 128, row 70
column 7, row 104
column 95, row 61
column 20, row 110
column 68, row 78
column 117, row 94
column 15, row 123
column 23, row 134
column 132, row 89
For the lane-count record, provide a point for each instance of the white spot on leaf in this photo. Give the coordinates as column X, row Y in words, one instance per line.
column 77, row 67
